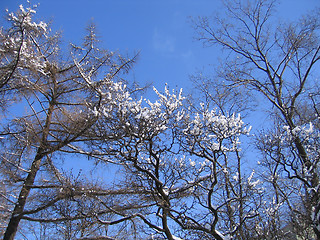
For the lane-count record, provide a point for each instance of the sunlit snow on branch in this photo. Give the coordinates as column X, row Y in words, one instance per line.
column 209, row 129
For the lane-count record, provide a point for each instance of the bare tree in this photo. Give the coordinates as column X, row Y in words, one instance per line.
column 62, row 93
column 180, row 161
column 278, row 62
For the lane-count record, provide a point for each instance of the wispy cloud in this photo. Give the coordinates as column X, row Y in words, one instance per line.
column 162, row 42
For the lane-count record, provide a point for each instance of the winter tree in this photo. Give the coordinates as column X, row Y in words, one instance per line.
column 60, row 90
column 186, row 164
column 277, row 62
column 182, row 170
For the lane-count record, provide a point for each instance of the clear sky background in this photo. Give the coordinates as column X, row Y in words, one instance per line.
column 159, row 29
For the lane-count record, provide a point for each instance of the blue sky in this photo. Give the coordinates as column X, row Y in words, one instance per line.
column 159, row 29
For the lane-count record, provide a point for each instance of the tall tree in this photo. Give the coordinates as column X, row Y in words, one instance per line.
column 180, row 162
column 279, row 63
column 61, row 92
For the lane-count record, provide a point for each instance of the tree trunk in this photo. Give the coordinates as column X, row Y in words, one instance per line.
column 19, row 207
column 14, row 221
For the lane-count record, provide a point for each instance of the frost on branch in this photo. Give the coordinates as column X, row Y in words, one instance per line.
column 23, row 18
column 143, row 118
column 309, row 136
column 208, row 130
column 25, row 45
